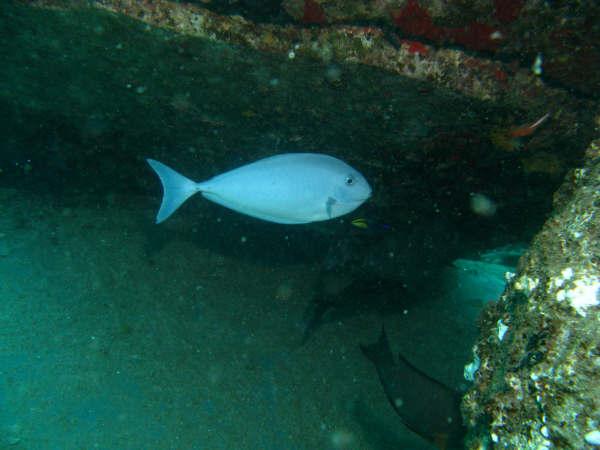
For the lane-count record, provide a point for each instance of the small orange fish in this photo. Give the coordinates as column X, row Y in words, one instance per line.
column 526, row 130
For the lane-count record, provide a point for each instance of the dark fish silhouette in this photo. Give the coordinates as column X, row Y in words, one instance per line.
column 426, row 406
column 342, row 295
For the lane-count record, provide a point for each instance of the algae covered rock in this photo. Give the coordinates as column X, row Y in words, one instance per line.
column 538, row 384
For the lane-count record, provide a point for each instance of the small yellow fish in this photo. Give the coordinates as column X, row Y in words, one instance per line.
column 360, row 223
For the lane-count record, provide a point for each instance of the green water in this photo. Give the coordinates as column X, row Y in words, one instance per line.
column 116, row 333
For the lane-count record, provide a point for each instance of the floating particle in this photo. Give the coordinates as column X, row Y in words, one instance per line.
column 482, row 205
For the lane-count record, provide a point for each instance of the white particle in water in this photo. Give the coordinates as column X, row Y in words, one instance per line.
column 593, row 437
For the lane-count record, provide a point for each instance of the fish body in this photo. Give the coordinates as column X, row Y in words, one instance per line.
column 526, row 130
column 360, row 223
column 426, row 406
column 342, row 295
column 509, row 139
column 366, row 224
column 289, row 188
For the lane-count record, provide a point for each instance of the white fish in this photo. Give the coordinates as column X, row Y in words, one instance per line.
column 287, row 188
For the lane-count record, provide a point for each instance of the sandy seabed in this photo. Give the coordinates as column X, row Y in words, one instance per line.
column 115, row 334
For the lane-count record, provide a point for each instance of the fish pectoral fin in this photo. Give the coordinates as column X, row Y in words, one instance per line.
column 329, row 206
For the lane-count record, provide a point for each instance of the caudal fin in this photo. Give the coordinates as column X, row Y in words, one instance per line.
column 176, row 189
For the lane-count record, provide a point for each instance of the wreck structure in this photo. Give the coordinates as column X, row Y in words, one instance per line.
column 537, row 385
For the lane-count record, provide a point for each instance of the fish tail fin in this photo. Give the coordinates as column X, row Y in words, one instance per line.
column 176, row 189
column 379, row 352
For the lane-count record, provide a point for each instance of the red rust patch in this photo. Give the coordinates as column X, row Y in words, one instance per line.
column 313, row 12
column 415, row 20
column 500, row 75
column 415, row 47
column 476, row 36
column 507, row 11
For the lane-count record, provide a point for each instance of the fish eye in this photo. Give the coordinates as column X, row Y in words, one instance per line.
column 349, row 180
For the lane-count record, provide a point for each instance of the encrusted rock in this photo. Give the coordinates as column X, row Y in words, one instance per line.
column 538, row 387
